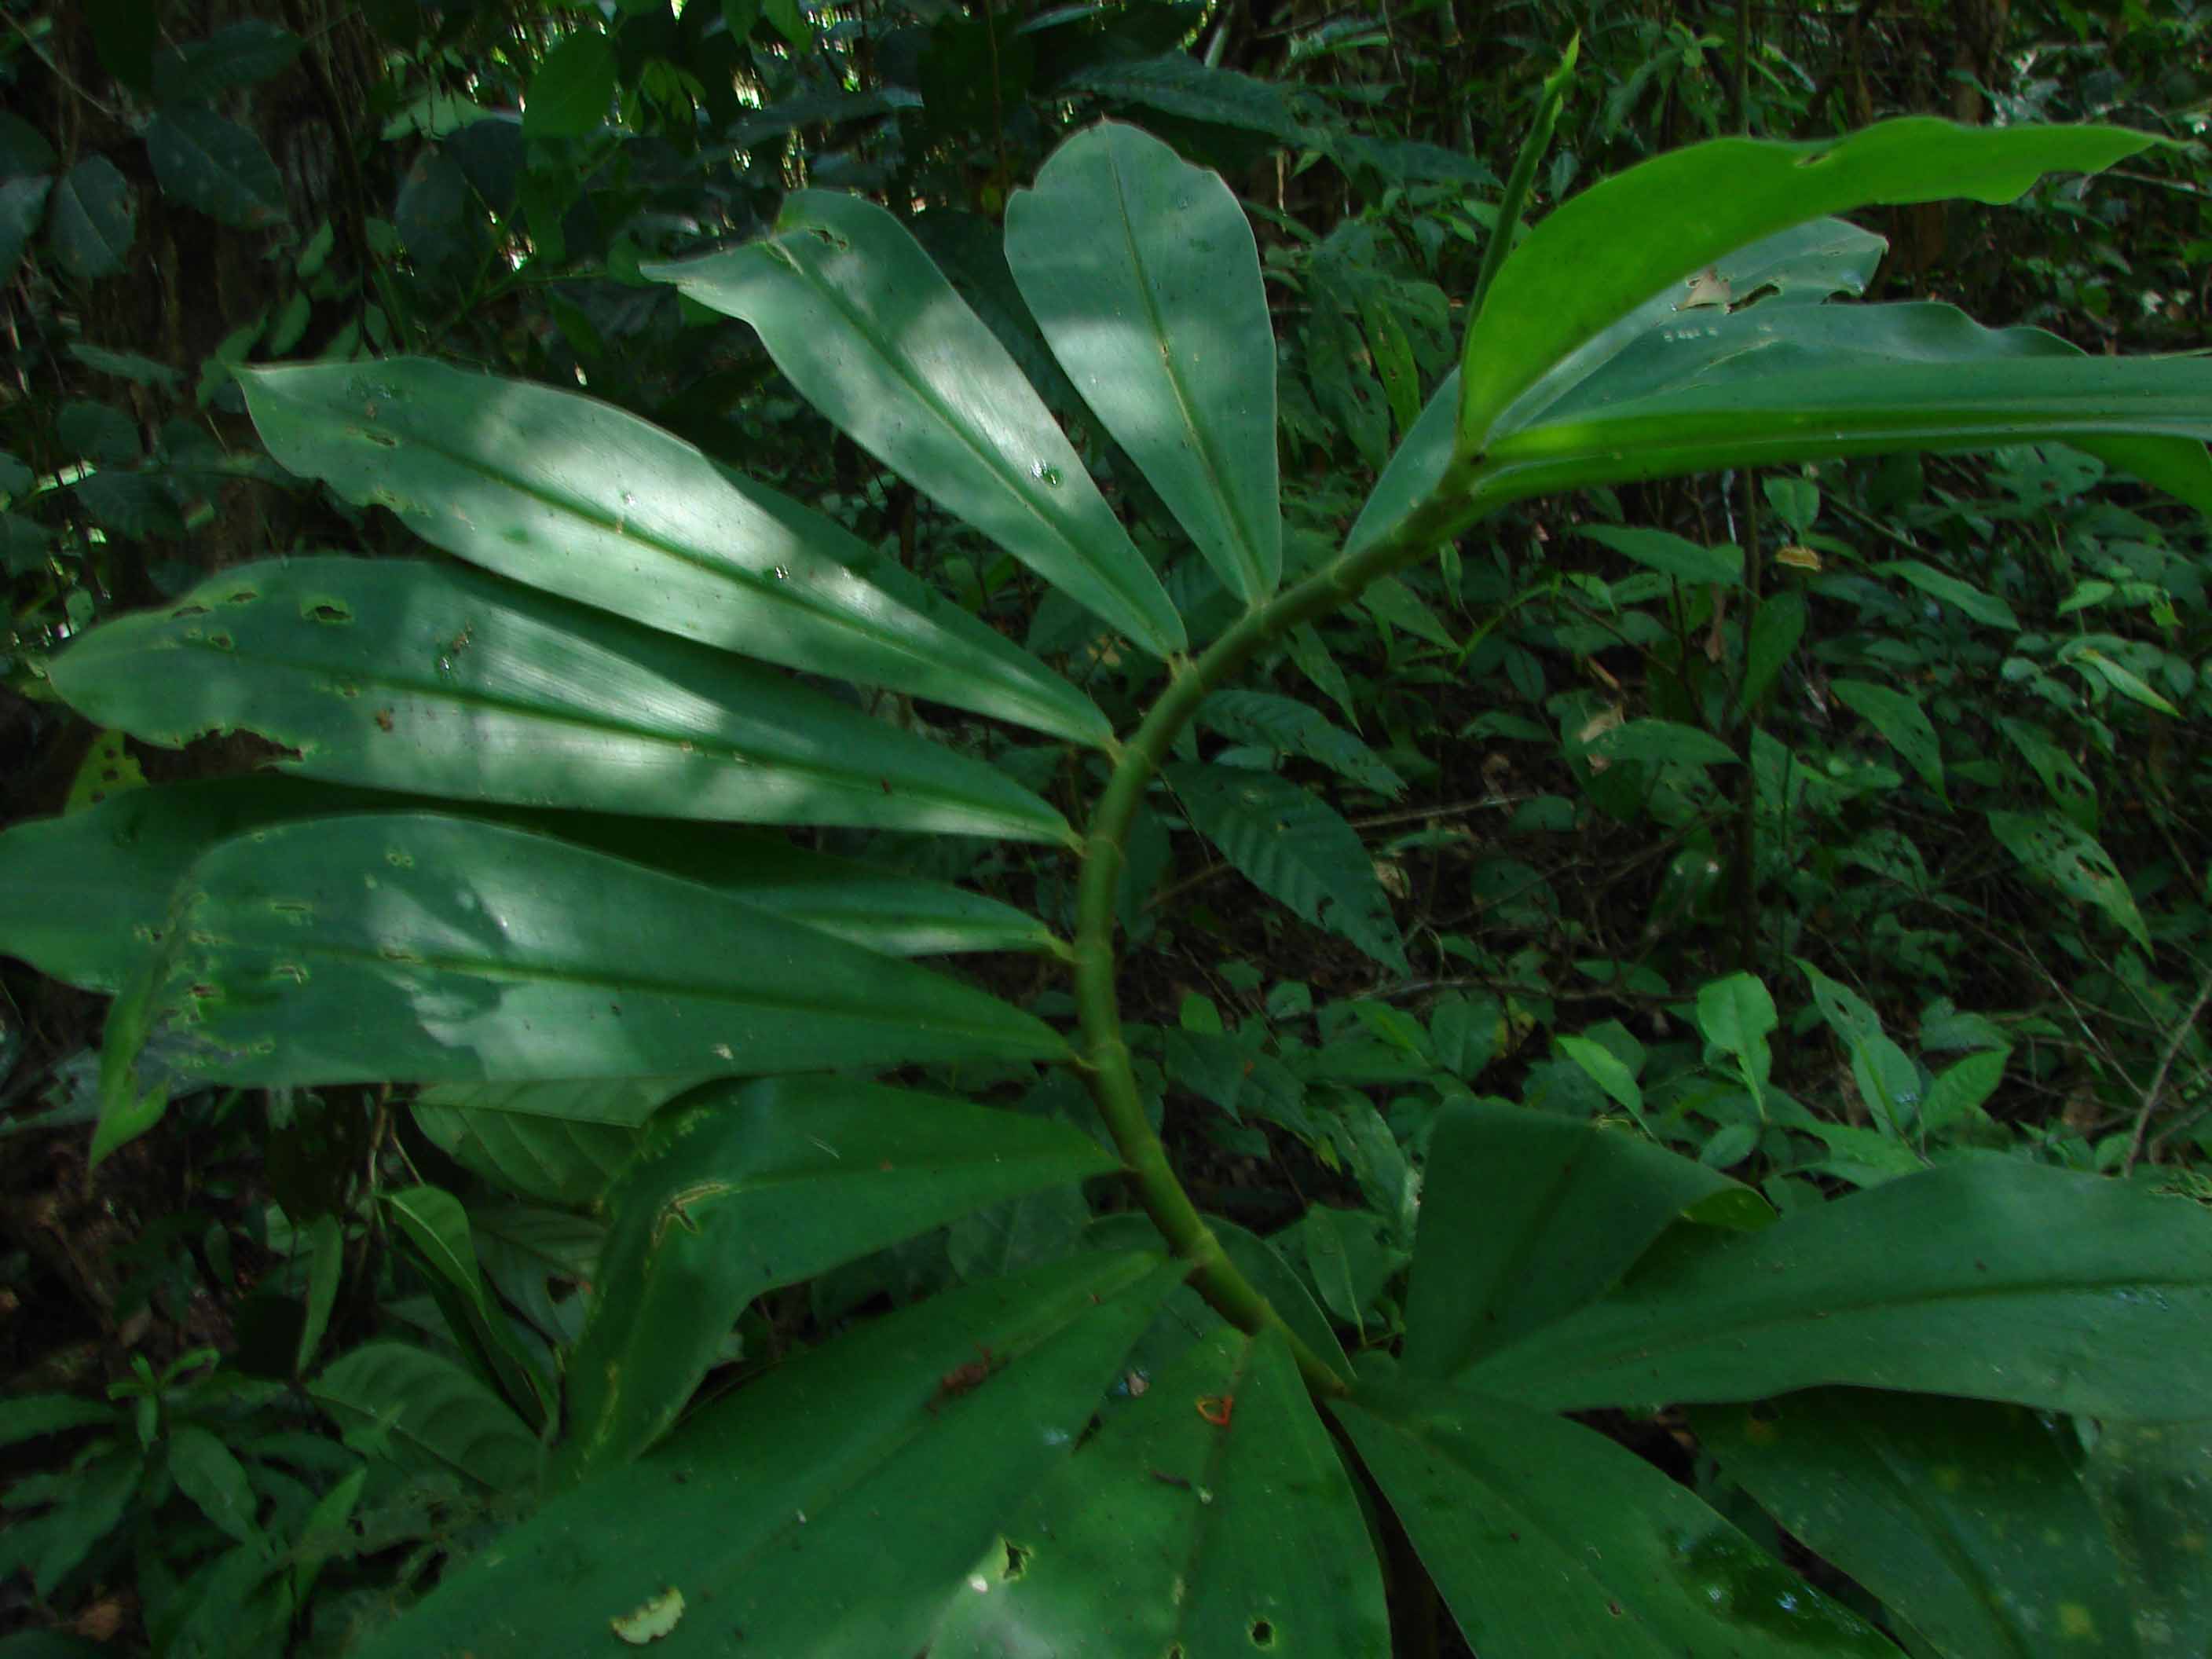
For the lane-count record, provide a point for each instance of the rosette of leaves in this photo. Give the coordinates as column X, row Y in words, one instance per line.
column 524, row 850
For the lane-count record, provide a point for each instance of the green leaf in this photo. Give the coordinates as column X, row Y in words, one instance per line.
column 1603, row 1068
column 1390, row 600
column 544, row 1141
column 1849, row 1015
column 207, row 1473
column 435, row 1224
column 867, row 327
column 1888, row 1082
column 326, row 1274
column 590, row 503
column 1978, row 1524
column 1178, row 85
column 1273, row 1277
column 1296, row 728
column 1526, row 1217
column 793, row 1503
column 90, row 219
column 1664, row 741
column 1294, row 847
column 1775, row 632
column 2126, row 681
column 1960, row 1091
column 237, row 55
column 1544, row 1538
column 572, row 91
column 742, row 1189
column 2074, row 861
column 1142, row 272
column 1982, row 607
column 435, row 679
column 1166, row 1533
column 1625, row 239
column 216, row 166
column 22, row 209
column 427, row 1414
column 54, row 1545
column 412, row 946
column 28, row 1416
column 1903, row 725
column 124, row 34
column 1671, row 555
column 1999, row 1280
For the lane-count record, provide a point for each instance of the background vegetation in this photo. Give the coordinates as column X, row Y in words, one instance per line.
column 1968, row 860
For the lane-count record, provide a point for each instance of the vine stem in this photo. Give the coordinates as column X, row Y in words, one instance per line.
column 1455, row 504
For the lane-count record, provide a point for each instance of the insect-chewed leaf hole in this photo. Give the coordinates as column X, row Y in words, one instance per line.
column 1018, row 1559
column 326, row 610
column 1262, row 1633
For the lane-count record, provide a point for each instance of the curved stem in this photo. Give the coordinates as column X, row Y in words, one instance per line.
column 1451, row 507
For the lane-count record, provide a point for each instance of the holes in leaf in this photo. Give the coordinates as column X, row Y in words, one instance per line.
column 241, row 596
column 1017, row 1562
column 326, row 610
column 1262, row 1633
column 381, row 440
column 1815, row 159
column 183, row 610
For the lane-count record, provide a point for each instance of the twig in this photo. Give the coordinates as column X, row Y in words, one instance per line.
column 2181, row 1030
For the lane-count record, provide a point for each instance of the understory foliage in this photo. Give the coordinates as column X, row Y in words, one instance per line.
column 995, row 844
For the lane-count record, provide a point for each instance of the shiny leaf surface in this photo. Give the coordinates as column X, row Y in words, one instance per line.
column 584, row 501
column 869, row 331
column 1142, row 272
column 432, row 679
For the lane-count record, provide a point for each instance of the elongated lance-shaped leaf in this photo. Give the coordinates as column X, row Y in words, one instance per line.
column 1621, row 241
column 838, row 1506
column 1525, row 1216
column 869, row 331
column 435, row 679
column 1544, row 1538
column 566, row 493
column 742, row 1189
column 1980, row 1525
column 1142, row 272
column 415, row 947
column 1807, row 262
column 1999, row 1280
column 498, row 1130
column 1209, row 1514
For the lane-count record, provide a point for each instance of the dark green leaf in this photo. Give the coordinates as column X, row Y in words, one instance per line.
column 1665, row 742
column 1143, row 274
column 1999, row 1280
column 237, row 55
column 429, row 1415
column 573, row 92
column 1525, row 1216
column 589, row 502
column 1982, row 607
column 1544, row 1539
column 1673, row 555
column 745, row 1188
column 414, row 946
column 1903, row 725
column 124, row 33
column 1166, row 1532
column 1177, row 85
column 793, row 1511
column 438, row 680
column 1293, row 846
column 90, row 221
column 216, row 166
column 28, row 1416
column 22, row 209
column 867, row 328
column 1296, row 728
column 2074, row 861
column 206, row 1471
column 1978, row 1524
column 561, row 1142
column 1775, row 632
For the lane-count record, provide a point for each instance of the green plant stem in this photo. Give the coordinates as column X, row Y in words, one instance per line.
column 1106, row 1051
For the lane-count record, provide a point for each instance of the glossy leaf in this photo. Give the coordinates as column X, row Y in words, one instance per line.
column 1544, row 1538
column 742, row 1189
column 1625, row 239
column 1142, row 272
column 1976, row 1523
column 1999, row 1280
column 796, row 1504
column 2074, row 861
column 1903, row 723
column 426, row 1413
column 1296, row 849
column 589, row 502
column 1526, row 1217
column 1169, row 1532
column 869, row 331
column 216, row 166
column 414, row 946
column 435, row 679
